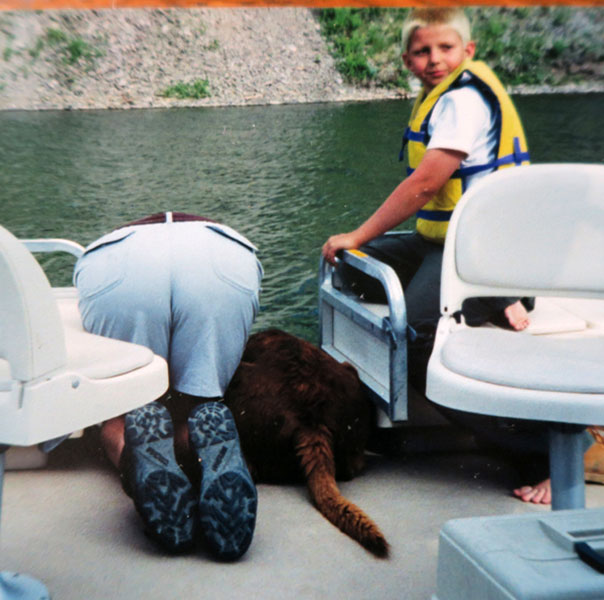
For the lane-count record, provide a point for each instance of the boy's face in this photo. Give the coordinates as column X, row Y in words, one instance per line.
column 435, row 52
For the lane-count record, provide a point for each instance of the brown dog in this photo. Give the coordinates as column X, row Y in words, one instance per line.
column 301, row 413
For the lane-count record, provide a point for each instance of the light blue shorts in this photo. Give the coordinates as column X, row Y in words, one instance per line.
column 186, row 290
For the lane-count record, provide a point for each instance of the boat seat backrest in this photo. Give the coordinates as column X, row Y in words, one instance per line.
column 31, row 334
column 527, row 231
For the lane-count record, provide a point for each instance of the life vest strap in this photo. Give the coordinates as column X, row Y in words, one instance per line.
column 434, row 215
column 517, row 158
column 413, row 136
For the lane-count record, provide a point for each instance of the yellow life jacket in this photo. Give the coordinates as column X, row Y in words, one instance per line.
column 511, row 149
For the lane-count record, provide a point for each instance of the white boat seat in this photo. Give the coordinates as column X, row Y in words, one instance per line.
column 527, row 361
column 62, row 379
column 536, row 231
column 92, row 355
column 549, row 317
column 527, row 231
column 55, row 378
column 68, row 308
column 589, row 309
column 97, row 357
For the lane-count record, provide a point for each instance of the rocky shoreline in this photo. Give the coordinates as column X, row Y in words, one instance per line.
column 121, row 59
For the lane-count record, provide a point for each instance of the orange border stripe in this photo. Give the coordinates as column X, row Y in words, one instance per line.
column 100, row 4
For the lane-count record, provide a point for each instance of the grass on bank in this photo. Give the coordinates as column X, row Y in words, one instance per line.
column 531, row 45
column 200, row 88
column 73, row 49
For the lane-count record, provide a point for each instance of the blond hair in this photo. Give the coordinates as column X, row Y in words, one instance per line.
column 425, row 17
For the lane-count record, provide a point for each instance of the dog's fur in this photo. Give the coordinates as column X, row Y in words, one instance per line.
column 301, row 413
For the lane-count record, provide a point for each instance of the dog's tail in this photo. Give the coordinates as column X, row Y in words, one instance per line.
column 314, row 449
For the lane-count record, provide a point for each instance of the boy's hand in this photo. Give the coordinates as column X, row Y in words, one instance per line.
column 410, row 195
column 341, row 241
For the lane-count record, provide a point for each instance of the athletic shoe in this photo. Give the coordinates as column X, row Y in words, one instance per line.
column 162, row 494
column 228, row 498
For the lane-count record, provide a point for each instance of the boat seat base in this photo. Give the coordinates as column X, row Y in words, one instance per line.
column 16, row 586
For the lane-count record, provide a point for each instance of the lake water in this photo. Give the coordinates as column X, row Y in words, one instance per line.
column 285, row 176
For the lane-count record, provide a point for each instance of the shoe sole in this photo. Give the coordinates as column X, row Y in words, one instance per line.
column 228, row 499
column 162, row 494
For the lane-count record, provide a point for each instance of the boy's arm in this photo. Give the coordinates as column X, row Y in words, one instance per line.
column 409, row 196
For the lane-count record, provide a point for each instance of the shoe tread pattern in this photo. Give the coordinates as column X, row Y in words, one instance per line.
column 162, row 494
column 228, row 498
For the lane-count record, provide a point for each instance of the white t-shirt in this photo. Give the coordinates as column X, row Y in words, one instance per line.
column 462, row 120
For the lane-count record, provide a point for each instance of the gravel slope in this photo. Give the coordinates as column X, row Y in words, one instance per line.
column 128, row 57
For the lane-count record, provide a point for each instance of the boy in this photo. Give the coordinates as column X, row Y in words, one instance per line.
column 462, row 118
column 462, row 127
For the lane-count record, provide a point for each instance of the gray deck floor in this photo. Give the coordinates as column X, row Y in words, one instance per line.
column 71, row 526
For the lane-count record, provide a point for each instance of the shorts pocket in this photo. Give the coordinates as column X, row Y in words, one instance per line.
column 236, row 264
column 102, row 267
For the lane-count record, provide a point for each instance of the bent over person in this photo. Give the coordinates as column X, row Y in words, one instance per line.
column 187, row 288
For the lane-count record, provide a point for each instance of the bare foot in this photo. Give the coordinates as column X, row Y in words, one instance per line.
column 540, row 493
column 517, row 316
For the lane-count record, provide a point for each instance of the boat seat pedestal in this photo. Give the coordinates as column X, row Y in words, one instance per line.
column 16, row 586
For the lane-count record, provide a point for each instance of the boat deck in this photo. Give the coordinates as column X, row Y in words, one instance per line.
column 71, row 526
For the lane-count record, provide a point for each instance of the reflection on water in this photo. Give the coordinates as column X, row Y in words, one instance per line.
column 285, row 176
